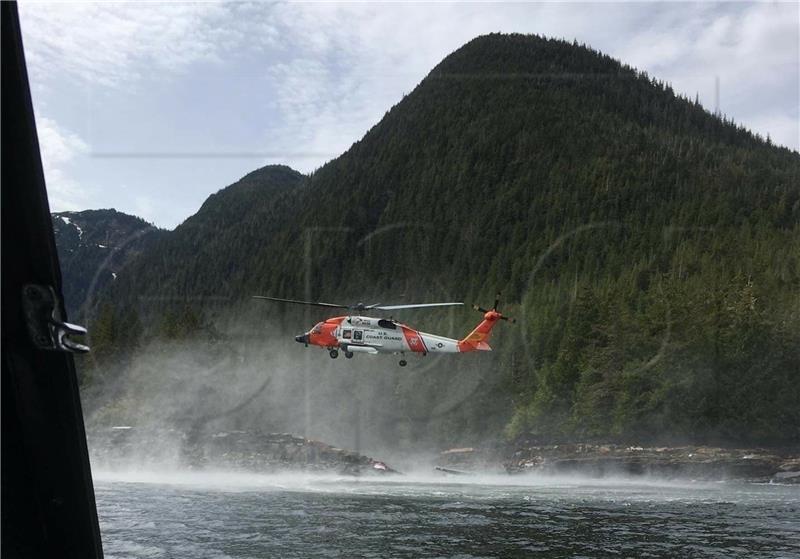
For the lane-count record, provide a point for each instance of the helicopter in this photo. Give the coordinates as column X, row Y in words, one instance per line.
column 355, row 333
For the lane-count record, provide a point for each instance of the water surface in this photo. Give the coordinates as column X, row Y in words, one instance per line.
column 220, row 515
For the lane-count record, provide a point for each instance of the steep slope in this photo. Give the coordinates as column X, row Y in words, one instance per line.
column 650, row 248
column 208, row 257
column 94, row 246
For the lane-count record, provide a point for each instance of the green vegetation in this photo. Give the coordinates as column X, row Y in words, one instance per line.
column 649, row 249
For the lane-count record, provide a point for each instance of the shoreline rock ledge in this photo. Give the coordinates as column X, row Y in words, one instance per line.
column 600, row 460
column 122, row 447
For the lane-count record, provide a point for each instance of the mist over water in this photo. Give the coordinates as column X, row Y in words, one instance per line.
column 254, row 377
column 421, row 482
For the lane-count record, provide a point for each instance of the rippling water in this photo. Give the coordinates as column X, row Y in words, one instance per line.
column 190, row 515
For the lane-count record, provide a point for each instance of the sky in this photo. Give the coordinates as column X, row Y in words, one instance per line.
column 151, row 107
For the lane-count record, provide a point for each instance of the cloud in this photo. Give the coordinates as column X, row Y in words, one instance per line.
column 751, row 48
column 59, row 148
column 312, row 77
column 781, row 129
column 347, row 64
column 118, row 43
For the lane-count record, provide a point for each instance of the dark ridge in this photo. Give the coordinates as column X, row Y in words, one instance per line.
column 94, row 246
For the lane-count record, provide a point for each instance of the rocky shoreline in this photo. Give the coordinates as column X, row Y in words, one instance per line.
column 598, row 460
column 254, row 451
column 126, row 447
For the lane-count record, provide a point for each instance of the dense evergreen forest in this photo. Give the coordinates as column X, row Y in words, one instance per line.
column 649, row 249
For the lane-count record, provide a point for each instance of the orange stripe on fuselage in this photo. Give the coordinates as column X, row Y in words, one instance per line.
column 414, row 340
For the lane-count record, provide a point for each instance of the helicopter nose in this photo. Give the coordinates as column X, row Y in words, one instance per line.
column 301, row 339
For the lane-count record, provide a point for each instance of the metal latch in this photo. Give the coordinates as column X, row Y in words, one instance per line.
column 43, row 318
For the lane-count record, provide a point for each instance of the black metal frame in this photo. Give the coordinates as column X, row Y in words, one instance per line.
column 48, row 506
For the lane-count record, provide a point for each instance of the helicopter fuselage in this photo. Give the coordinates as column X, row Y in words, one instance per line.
column 364, row 334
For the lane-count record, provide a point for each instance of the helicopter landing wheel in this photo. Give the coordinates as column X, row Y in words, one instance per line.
column 348, row 354
column 334, row 354
column 403, row 362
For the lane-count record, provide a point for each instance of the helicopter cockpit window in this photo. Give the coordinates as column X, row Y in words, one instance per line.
column 318, row 328
column 358, row 335
column 347, row 334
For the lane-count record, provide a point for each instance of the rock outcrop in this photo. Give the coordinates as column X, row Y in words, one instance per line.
column 687, row 462
column 125, row 447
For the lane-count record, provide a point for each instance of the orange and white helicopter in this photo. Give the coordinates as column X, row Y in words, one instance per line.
column 353, row 334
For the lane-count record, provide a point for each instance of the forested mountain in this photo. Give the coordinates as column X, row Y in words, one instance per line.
column 220, row 242
column 94, row 246
column 649, row 249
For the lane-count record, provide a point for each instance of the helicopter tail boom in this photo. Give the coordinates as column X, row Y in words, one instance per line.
column 477, row 339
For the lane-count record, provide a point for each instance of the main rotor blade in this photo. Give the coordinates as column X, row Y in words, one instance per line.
column 312, row 303
column 419, row 306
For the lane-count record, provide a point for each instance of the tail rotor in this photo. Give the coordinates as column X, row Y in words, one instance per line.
column 494, row 310
column 478, row 338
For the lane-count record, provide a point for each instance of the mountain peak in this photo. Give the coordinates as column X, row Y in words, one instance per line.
column 254, row 190
column 515, row 54
column 94, row 246
column 269, row 172
column 103, row 216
